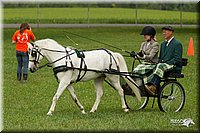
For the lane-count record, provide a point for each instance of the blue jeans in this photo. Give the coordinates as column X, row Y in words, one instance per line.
column 22, row 58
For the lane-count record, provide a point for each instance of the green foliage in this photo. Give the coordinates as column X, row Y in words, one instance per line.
column 96, row 15
column 189, row 6
column 26, row 104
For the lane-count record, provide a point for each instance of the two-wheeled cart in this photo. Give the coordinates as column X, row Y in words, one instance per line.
column 170, row 95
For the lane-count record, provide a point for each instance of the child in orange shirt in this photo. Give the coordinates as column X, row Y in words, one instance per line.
column 21, row 37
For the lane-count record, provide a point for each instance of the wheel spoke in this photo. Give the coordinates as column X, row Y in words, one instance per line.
column 172, row 97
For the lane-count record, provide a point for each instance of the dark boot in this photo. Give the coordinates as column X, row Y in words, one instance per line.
column 19, row 76
column 25, row 76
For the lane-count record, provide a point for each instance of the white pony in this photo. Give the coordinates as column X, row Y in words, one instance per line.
column 100, row 60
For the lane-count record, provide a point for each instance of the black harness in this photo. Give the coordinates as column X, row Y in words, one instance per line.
column 83, row 67
column 64, row 68
column 34, row 55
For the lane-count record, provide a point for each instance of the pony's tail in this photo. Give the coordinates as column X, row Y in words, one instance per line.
column 128, row 79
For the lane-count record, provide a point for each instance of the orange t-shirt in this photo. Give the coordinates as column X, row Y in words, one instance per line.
column 22, row 39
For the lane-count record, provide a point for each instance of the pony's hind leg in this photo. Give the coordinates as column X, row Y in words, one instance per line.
column 114, row 79
column 73, row 95
column 98, row 83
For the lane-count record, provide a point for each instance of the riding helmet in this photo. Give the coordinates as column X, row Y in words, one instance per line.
column 148, row 30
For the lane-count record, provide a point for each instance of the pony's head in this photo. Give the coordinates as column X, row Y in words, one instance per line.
column 35, row 56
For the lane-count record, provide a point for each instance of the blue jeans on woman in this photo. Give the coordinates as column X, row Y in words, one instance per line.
column 22, row 58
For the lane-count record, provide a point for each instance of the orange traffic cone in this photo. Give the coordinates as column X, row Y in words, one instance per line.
column 190, row 51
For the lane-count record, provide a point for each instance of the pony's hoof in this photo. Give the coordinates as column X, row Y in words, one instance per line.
column 83, row 112
column 93, row 111
column 49, row 113
column 126, row 110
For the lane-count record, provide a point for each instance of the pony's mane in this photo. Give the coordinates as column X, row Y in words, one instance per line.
column 49, row 43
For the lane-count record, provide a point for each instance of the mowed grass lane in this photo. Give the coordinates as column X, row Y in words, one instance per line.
column 26, row 104
column 97, row 15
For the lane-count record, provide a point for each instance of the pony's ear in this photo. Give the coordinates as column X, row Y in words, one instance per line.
column 32, row 44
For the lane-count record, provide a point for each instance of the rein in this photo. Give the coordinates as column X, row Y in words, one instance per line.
column 131, row 54
column 83, row 66
column 49, row 63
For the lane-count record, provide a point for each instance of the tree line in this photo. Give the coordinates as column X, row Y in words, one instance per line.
column 189, row 7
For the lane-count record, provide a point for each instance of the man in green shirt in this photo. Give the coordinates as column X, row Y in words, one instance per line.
column 169, row 59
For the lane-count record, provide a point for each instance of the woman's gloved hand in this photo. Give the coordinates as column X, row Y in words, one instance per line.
column 132, row 54
column 140, row 53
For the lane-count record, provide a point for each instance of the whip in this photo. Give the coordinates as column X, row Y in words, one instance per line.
column 97, row 41
column 71, row 40
column 132, row 54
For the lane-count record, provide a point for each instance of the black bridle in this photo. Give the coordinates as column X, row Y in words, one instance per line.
column 36, row 53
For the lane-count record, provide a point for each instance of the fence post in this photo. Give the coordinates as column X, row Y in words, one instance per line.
column 181, row 14
column 88, row 15
column 136, row 21
column 38, row 21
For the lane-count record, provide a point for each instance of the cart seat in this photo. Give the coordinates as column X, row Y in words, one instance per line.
column 174, row 75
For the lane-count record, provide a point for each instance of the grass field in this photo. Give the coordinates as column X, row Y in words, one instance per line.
column 97, row 15
column 26, row 104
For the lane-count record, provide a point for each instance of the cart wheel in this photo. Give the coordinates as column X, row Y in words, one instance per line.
column 171, row 97
column 134, row 104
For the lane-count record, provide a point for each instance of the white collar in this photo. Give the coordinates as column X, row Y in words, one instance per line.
column 148, row 43
column 169, row 40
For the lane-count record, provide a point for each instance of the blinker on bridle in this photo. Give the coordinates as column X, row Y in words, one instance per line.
column 34, row 53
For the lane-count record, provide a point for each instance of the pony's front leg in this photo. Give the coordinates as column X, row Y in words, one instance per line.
column 64, row 82
column 73, row 95
column 98, row 84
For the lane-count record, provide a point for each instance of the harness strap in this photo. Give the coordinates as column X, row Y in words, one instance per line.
column 38, row 57
column 111, row 57
column 58, row 69
column 79, row 77
column 68, row 57
column 47, row 64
